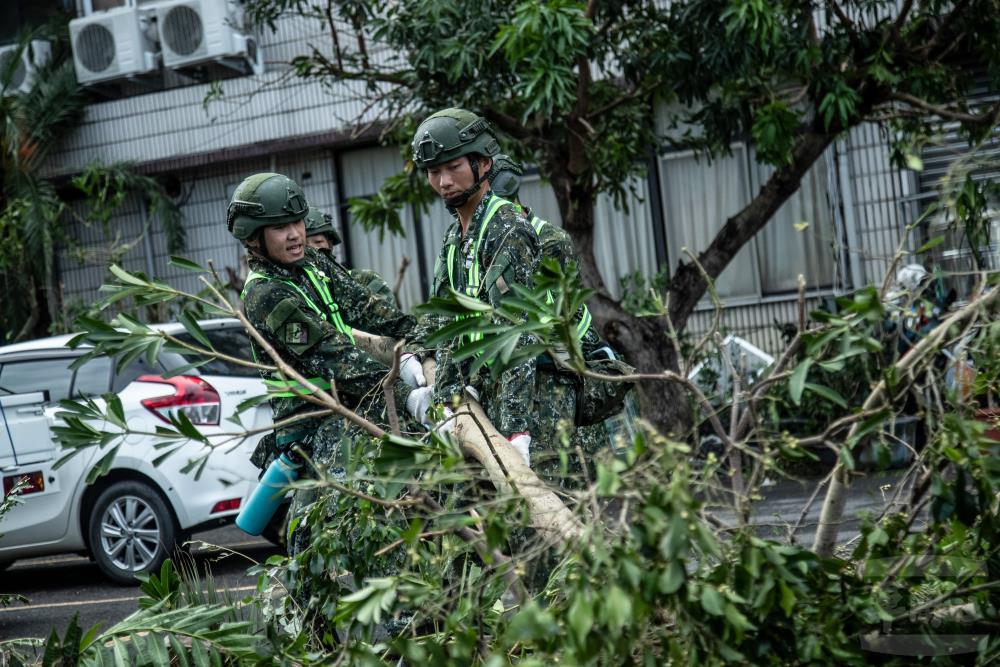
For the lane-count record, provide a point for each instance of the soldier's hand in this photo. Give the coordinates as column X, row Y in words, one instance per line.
column 417, row 403
column 411, row 371
column 522, row 443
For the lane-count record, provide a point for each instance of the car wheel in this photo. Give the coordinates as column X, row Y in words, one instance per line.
column 131, row 531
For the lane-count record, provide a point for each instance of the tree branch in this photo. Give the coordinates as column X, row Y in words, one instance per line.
column 836, row 495
column 987, row 118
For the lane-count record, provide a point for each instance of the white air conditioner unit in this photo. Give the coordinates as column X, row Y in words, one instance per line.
column 199, row 31
column 113, row 44
column 34, row 54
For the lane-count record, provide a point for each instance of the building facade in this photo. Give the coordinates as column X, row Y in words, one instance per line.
column 840, row 230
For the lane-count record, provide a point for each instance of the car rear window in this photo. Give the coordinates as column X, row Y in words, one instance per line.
column 233, row 342
column 24, row 377
column 93, row 378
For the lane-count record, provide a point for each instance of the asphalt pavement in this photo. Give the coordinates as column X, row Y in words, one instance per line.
column 59, row 587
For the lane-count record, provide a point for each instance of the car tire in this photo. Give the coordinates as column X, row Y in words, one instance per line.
column 132, row 531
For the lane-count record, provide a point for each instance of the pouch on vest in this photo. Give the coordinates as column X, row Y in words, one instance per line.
column 599, row 399
column 296, row 331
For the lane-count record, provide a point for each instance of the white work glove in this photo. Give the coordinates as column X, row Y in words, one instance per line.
column 411, row 371
column 446, row 425
column 417, row 403
column 522, row 443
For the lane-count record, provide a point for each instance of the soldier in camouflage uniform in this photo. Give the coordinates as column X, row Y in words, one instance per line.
column 489, row 247
column 323, row 236
column 558, row 424
column 306, row 314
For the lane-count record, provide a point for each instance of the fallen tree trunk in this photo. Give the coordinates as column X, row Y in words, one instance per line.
column 503, row 464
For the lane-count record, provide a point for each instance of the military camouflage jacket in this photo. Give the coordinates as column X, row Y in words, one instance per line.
column 315, row 347
column 508, row 255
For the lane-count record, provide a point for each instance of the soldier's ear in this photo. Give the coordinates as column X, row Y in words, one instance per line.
column 485, row 164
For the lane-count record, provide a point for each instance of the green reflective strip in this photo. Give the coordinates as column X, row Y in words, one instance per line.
column 321, row 289
column 286, row 388
column 538, row 223
column 451, row 265
column 472, row 287
column 305, row 297
column 319, row 284
column 251, row 277
column 584, row 324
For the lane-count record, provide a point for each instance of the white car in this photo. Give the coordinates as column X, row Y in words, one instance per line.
column 129, row 520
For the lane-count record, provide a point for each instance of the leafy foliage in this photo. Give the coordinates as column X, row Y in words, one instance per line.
column 411, row 555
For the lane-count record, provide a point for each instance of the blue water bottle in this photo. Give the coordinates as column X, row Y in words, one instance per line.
column 268, row 496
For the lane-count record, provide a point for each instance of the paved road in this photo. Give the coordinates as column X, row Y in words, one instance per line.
column 783, row 502
column 60, row 586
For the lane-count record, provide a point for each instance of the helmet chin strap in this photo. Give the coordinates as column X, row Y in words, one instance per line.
column 477, row 181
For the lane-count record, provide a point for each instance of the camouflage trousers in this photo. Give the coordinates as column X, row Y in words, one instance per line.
column 328, row 534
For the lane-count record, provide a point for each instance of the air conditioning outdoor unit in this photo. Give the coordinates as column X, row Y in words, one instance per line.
column 200, row 31
column 34, row 54
column 112, row 45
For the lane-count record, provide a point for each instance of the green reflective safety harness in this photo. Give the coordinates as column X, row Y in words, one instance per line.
column 585, row 317
column 286, row 388
column 474, row 276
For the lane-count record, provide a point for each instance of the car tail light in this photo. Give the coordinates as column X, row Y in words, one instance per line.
column 226, row 505
column 194, row 397
column 35, row 482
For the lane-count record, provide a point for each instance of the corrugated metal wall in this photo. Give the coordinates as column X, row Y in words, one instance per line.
column 362, row 173
column 879, row 191
column 205, row 193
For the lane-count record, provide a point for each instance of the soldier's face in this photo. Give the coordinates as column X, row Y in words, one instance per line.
column 453, row 178
column 319, row 241
column 285, row 244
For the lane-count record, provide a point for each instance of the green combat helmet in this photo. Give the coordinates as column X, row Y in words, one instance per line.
column 264, row 200
column 450, row 134
column 505, row 177
column 319, row 221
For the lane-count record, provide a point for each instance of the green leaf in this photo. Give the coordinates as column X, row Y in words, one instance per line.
column 737, row 619
column 796, row 383
column 190, row 322
column 827, row 393
column 932, row 243
column 787, row 598
column 711, row 600
column 186, row 264
column 581, row 619
column 671, row 580
column 617, row 610
column 126, row 277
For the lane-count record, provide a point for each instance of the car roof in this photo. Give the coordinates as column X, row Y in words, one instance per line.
column 59, row 342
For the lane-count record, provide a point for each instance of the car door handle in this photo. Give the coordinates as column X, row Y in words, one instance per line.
column 34, row 410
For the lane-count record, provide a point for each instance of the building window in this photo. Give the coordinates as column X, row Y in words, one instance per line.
column 699, row 195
